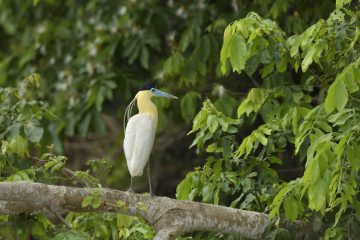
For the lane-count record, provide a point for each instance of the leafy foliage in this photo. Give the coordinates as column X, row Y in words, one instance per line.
column 312, row 115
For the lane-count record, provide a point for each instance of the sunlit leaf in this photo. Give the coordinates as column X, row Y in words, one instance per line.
column 238, row 53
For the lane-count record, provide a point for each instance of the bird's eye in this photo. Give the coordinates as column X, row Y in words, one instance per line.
column 152, row 89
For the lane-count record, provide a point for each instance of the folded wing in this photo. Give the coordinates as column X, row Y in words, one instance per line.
column 138, row 142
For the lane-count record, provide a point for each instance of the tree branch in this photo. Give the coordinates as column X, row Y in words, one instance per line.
column 169, row 217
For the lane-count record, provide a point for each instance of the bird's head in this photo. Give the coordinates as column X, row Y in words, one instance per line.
column 151, row 90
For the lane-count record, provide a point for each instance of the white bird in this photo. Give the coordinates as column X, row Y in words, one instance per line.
column 140, row 131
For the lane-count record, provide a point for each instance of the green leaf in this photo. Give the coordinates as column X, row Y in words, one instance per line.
column 44, row 221
column 337, row 97
column 224, row 54
column 35, row 2
column 249, row 145
column 140, row 206
column 275, row 160
column 144, row 57
column 353, row 156
column 86, row 201
column 238, row 53
column 23, row 175
column 350, row 75
column 183, row 188
column 290, row 209
column 188, row 105
column 33, row 133
column 124, row 220
column 261, row 138
column 333, row 234
column 269, row 68
column 57, row 167
column 121, row 204
column 216, row 196
column 317, row 196
column 84, row 125
column 217, row 168
column 173, row 64
column 212, row 123
column 39, row 232
column 34, row 79
column 212, row 147
column 253, row 102
column 19, row 146
column 49, row 164
column 187, row 36
column 295, row 46
column 93, row 199
column 341, row 3
column 4, row 218
column 308, row 59
column 71, row 235
column 96, row 202
column 312, row 171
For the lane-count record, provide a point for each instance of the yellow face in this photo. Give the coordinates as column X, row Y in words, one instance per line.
column 144, row 99
column 145, row 94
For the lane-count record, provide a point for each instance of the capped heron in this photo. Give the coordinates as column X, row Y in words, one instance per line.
column 140, row 131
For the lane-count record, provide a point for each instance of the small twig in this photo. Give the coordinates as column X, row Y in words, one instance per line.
column 113, row 205
column 354, row 98
column 73, row 175
column 254, row 81
column 314, row 74
column 62, row 219
column 36, row 158
column 131, row 209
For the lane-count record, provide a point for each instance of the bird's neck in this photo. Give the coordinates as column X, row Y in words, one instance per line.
column 145, row 105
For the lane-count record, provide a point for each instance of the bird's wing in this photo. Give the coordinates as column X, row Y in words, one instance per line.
column 138, row 142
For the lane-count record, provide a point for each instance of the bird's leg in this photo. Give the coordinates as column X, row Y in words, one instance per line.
column 131, row 183
column 149, row 178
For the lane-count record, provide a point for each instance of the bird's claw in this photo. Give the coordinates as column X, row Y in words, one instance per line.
column 130, row 191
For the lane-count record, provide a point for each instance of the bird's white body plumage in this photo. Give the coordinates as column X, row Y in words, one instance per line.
column 138, row 142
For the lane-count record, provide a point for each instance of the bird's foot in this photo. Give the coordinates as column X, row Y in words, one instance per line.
column 130, row 191
column 152, row 194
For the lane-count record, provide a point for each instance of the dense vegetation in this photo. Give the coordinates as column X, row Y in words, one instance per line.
column 272, row 107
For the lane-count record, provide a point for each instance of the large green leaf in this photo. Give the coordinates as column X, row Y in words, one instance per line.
column 19, row 146
column 337, row 97
column 184, row 187
column 33, row 132
column 317, row 195
column 238, row 53
column 308, row 59
column 224, row 54
column 290, row 208
column 188, row 105
column 353, row 156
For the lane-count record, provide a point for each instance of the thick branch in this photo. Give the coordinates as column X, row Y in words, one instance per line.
column 168, row 216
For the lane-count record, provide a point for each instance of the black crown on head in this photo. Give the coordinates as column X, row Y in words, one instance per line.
column 147, row 85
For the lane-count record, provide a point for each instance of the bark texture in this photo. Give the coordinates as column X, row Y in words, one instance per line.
column 169, row 217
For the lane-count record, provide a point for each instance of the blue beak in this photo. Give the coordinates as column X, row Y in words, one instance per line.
column 159, row 93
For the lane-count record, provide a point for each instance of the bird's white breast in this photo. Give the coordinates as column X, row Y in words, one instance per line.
column 138, row 142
